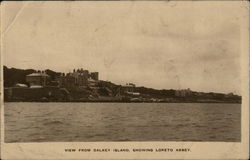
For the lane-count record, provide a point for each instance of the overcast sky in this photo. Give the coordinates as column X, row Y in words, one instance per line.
column 153, row 44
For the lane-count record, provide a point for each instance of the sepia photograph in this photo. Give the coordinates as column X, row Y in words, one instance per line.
column 131, row 71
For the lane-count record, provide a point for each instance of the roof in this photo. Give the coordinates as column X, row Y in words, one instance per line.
column 21, row 85
column 36, row 86
column 38, row 75
column 91, row 80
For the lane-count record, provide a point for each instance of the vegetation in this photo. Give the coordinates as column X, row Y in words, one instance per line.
column 14, row 75
column 108, row 91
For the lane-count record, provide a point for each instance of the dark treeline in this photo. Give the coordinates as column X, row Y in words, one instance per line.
column 155, row 92
column 14, row 75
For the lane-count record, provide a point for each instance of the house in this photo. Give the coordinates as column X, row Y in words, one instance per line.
column 37, row 79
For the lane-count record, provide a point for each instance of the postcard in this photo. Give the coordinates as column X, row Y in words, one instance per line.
column 124, row 80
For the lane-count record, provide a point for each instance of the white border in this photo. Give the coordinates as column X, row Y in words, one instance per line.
column 199, row 150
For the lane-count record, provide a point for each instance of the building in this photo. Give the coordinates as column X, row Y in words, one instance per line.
column 183, row 93
column 92, row 82
column 129, row 87
column 37, row 79
column 94, row 75
column 78, row 79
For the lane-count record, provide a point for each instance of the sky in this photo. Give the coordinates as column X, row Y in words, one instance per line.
column 162, row 45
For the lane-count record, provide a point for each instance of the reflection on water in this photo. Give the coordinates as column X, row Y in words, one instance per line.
column 61, row 122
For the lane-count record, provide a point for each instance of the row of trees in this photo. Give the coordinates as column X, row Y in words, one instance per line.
column 14, row 75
